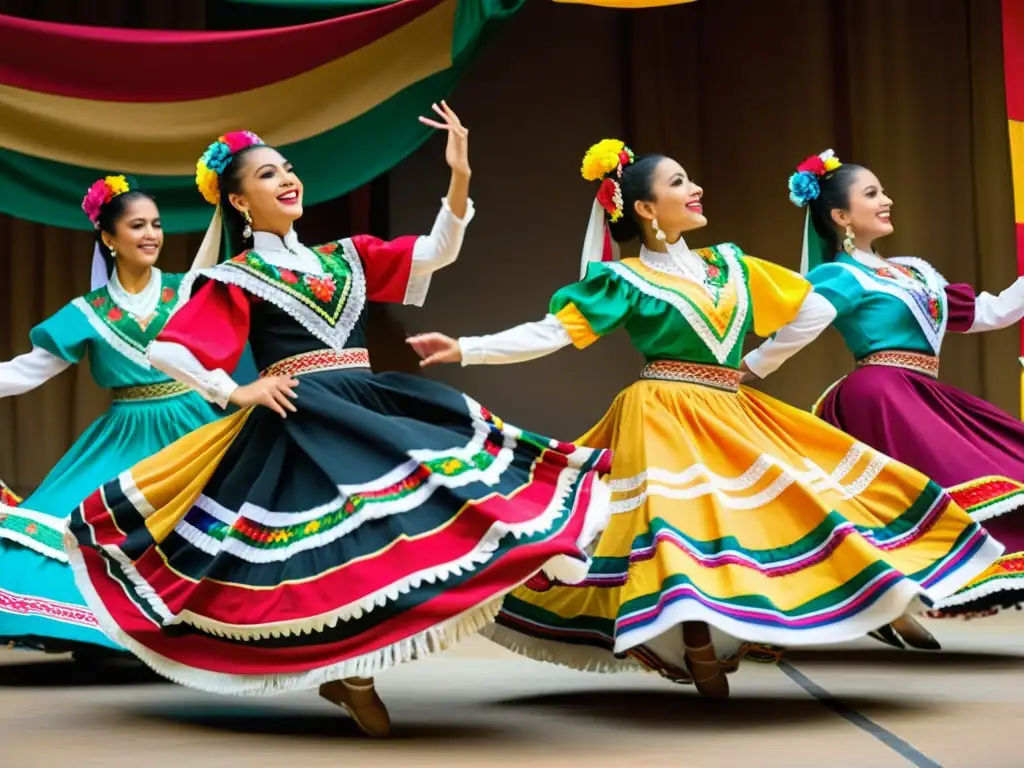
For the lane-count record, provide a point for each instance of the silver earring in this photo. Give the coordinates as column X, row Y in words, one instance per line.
column 658, row 233
column 247, row 230
column 113, row 253
column 848, row 245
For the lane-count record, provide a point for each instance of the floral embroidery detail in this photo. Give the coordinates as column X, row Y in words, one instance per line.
column 320, row 293
column 128, row 334
column 262, row 535
column 917, row 285
column 926, row 296
column 718, row 314
column 321, row 287
column 715, row 270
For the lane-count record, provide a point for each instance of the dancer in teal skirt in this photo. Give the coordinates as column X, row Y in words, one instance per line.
column 130, row 303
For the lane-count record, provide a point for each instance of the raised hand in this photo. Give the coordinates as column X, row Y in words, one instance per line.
column 273, row 392
column 457, row 151
column 435, row 348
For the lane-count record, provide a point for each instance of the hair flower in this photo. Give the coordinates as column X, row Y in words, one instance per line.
column 604, row 162
column 813, row 164
column 102, row 192
column 604, row 157
column 609, row 197
column 215, row 159
column 803, row 185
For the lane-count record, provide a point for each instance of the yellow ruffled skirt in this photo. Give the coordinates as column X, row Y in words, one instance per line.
column 763, row 521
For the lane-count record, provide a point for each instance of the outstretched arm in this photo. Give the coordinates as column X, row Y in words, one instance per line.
column 441, row 247
column 26, row 372
column 985, row 312
column 515, row 345
column 814, row 316
column 579, row 314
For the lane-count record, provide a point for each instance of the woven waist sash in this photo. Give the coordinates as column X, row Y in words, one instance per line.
column 319, row 360
column 912, row 361
column 693, row 373
column 149, row 392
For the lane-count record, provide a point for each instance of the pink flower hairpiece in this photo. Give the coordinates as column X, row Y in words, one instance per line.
column 100, row 193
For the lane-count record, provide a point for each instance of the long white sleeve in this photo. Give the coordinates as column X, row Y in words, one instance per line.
column 994, row 312
column 28, row 371
column 516, row 345
column 180, row 364
column 814, row 316
column 436, row 250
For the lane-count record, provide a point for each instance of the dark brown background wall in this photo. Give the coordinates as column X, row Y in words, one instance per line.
column 738, row 91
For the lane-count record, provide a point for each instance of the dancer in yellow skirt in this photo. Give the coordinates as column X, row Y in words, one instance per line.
column 735, row 516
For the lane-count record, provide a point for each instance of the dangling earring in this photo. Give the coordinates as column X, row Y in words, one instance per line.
column 658, row 233
column 113, row 253
column 247, row 230
column 848, row 245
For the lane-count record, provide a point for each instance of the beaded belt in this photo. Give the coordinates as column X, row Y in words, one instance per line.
column 149, row 392
column 693, row 373
column 319, row 360
column 912, row 361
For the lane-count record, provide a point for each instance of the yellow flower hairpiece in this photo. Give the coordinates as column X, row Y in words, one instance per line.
column 603, row 158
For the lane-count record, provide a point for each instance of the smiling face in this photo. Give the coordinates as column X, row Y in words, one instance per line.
column 676, row 201
column 137, row 235
column 868, row 210
column 268, row 190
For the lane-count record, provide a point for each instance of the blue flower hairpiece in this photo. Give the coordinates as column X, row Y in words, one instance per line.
column 803, row 187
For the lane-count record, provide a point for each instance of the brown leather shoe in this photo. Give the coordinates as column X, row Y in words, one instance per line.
column 362, row 703
column 915, row 635
column 708, row 676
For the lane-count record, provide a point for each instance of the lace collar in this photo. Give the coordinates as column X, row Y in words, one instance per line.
column 286, row 252
column 141, row 304
column 679, row 261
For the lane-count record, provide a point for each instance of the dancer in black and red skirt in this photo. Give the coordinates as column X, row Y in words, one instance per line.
column 356, row 521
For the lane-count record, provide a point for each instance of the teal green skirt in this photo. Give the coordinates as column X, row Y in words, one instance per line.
column 40, row 606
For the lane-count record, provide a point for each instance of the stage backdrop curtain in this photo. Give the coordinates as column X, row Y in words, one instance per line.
column 43, row 267
column 340, row 97
column 741, row 92
column 353, row 4
column 1013, row 57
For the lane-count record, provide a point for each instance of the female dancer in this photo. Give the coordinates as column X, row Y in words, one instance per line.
column 730, row 509
column 359, row 520
column 893, row 313
column 114, row 323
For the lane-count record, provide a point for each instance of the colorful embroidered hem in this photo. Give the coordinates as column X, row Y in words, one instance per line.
column 40, row 533
column 754, row 517
column 259, row 554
